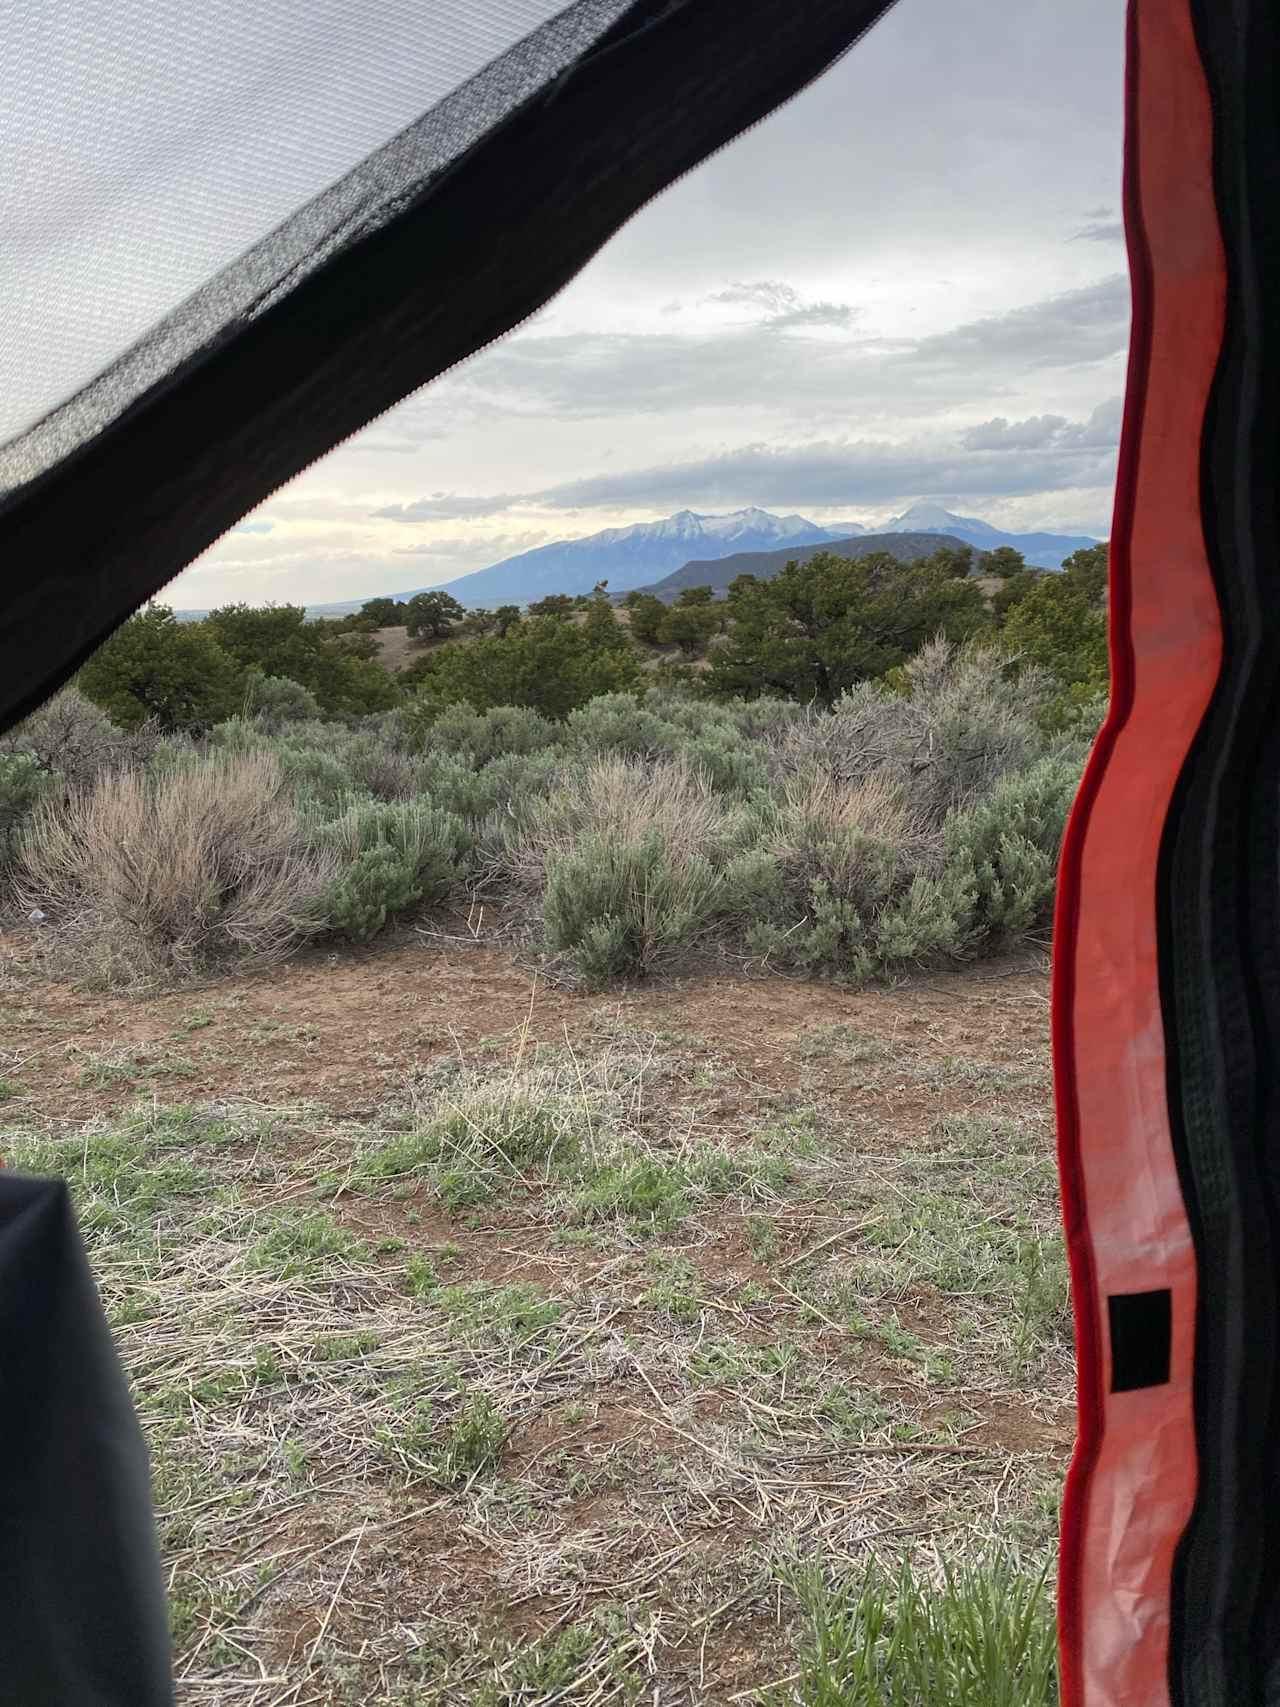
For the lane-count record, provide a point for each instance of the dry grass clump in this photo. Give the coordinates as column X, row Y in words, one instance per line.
column 845, row 833
column 154, row 876
column 624, row 802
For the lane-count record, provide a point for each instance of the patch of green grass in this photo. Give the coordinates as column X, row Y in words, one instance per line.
column 118, row 1183
column 636, row 1189
column 199, row 1019
column 10, row 1088
column 735, row 1363
column 845, row 1044
column 344, row 1348
column 674, row 1286
column 471, row 1442
column 848, row 1411
column 544, row 1670
column 104, row 1068
column 762, row 1237
column 478, row 1144
column 662, row 1191
column 984, row 1637
column 301, row 1244
column 514, row 1314
column 420, row 1277
column 1041, row 1300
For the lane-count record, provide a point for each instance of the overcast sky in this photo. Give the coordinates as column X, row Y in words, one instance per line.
column 908, row 283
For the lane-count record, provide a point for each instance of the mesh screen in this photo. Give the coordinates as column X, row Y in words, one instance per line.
column 146, row 145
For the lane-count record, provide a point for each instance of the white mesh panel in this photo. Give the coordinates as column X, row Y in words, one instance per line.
column 147, row 143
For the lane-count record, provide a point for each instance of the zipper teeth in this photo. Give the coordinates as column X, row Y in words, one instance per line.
column 518, row 325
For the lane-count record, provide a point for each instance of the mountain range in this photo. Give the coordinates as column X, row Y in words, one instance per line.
column 629, row 557
column 647, row 552
column 643, row 554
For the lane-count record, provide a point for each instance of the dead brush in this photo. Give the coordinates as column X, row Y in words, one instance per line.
column 149, row 877
column 854, row 836
column 622, row 801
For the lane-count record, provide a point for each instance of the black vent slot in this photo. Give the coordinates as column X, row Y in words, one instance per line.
column 1141, row 1334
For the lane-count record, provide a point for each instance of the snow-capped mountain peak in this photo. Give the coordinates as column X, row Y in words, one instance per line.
column 631, row 556
column 923, row 517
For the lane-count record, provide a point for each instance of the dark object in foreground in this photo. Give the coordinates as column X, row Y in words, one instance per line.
column 82, row 1608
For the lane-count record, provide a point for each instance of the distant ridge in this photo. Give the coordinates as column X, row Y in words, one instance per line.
column 1041, row 550
column 719, row 572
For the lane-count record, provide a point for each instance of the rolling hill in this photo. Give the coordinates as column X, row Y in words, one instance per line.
column 719, row 572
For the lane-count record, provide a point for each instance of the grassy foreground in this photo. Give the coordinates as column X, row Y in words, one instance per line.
column 602, row 1369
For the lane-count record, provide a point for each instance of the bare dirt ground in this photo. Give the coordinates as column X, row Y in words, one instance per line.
column 396, row 651
column 502, row 1345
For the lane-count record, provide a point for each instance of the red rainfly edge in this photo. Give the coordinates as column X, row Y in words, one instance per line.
column 1133, row 1474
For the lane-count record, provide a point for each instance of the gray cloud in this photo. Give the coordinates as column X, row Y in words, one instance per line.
column 253, row 527
column 1000, row 434
column 600, row 374
column 998, row 459
column 831, row 473
column 1111, row 231
column 813, row 314
column 774, row 296
column 1073, row 327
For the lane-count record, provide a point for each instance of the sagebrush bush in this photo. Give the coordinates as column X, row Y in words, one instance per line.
column 1008, row 846
column 479, row 737
column 389, row 857
column 509, row 784
column 151, row 876
column 23, row 784
column 622, row 801
column 273, row 700
column 627, row 909
column 917, row 820
column 960, row 724
column 72, row 739
column 617, row 723
column 855, row 883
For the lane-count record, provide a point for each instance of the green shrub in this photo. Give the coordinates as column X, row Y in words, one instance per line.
column 1009, row 845
column 390, row 858
column 156, row 669
column 731, row 765
column 548, row 663
column 626, row 909
column 23, row 783
column 846, row 880
column 615, row 723
column 74, row 740
column 961, row 723
column 479, row 737
column 273, row 700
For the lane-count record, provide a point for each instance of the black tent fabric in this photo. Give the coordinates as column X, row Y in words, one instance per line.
column 82, row 1608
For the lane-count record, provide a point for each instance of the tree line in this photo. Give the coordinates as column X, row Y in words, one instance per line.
column 809, row 633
